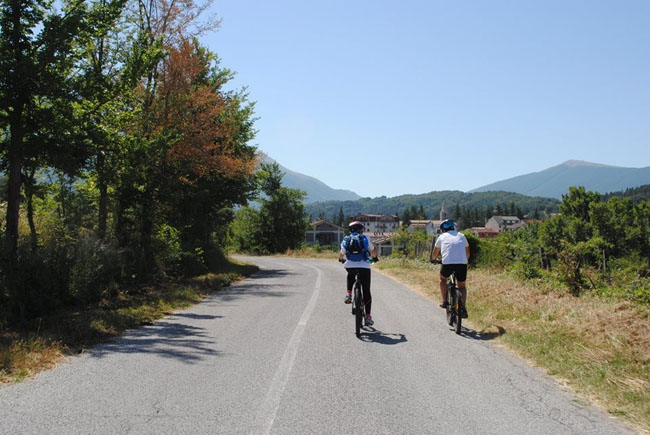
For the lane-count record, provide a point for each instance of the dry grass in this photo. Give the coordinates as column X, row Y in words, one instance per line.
column 598, row 347
column 313, row 252
column 21, row 358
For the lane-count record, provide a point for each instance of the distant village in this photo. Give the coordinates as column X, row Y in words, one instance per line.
column 382, row 227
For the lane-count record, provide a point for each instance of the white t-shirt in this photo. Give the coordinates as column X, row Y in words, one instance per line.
column 365, row 264
column 452, row 246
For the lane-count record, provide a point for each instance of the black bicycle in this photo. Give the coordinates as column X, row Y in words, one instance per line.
column 358, row 306
column 455, row 306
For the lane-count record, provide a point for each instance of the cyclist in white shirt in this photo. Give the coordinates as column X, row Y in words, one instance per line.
column 455, row 253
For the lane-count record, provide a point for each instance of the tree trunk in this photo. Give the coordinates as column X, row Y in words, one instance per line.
column 29, row 195
column 103, row 197
column 14, row 185
column 146, row 230
column 103, row 210
column 13, row 203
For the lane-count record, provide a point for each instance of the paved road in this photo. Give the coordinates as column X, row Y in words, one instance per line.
column 277, row 354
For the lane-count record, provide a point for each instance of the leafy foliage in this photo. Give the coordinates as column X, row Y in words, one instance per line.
column 125, row 154
column 278, row 225
column 592, row 244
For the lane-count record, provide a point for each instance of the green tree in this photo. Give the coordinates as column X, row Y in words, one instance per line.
column 38, row 49
column 282, row 214
column 244, row 231
column 576, row 202
column 340, row 218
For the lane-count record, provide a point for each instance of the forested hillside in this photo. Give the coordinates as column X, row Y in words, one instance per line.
column 455, row 201
column 637, row 194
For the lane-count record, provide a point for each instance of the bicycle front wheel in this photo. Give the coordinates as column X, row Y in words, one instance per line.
column 459, row 310
column 451, row 303
column 358, row 311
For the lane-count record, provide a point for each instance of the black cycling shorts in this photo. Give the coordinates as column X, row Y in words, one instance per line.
column 460, row 269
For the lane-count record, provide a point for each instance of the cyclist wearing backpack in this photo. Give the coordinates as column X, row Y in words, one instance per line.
column 455, row 253
column 358, row 249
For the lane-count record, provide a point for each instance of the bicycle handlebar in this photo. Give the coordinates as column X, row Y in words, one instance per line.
column 372, row 260
column 435, row 261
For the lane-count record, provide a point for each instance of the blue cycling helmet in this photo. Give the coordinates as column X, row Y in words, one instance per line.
column 447, row 225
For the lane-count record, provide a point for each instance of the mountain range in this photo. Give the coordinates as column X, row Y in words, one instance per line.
column 549, row 183
column 316, row 190
column 555, row 181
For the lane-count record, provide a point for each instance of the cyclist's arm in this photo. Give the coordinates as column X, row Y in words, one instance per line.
column 436, row 252
column 467, row 251
column 373, row 253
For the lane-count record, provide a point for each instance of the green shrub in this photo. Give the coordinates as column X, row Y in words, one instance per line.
column 35, row 283
column 192, row 263
column 95, row 266
column 167, row 243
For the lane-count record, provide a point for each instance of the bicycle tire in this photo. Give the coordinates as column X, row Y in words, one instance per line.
column 451, row 303
column 459, row 311
column 358, row 311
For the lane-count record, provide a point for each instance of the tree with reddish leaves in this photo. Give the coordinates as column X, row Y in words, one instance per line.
column 209, row 156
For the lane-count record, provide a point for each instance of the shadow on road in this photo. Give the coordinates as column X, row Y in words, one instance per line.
column 270, row 273
column 253, row 286
column 482, row 335
column 190, row 344
column 186, row 343
column 372, row 335
column 197, row 316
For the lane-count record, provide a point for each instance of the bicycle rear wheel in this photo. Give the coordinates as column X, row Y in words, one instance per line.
column 459, row 311
column 358, row 310
column 451, row 303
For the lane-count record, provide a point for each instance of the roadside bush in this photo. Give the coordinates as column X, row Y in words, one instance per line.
column 526, row 269
column 474, row 247
column 95, row 267
column 167, row 243
column 192, row 263
column 494, row 253
column 34, row 284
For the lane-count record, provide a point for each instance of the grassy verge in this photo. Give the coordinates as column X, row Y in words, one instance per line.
column 598, row 346
column 315, row 251
column 39, row 345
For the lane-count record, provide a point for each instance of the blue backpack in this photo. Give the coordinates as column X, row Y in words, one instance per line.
column 356, row 247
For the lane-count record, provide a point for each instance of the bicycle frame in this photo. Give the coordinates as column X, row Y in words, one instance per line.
column 455, row 302
column 358, row 306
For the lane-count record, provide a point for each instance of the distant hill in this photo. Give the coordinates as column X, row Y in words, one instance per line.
column 555, row 181
column 432, row 202
column 316, row 189
column 636, row 194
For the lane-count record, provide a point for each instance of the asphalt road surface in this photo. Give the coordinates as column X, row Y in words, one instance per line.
column 277, row 354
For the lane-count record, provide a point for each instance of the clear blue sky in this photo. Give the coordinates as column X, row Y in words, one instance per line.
column 437, row 95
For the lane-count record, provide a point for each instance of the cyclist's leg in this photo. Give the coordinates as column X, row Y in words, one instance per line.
column 364, row 274
column 461, row 276
column 445, row 271
column 350, row 279
column 443, row 287
column 350, row 284
column 463, row 291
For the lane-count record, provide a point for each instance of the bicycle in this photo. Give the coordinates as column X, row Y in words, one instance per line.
column 455, row 306
column 358, row 305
